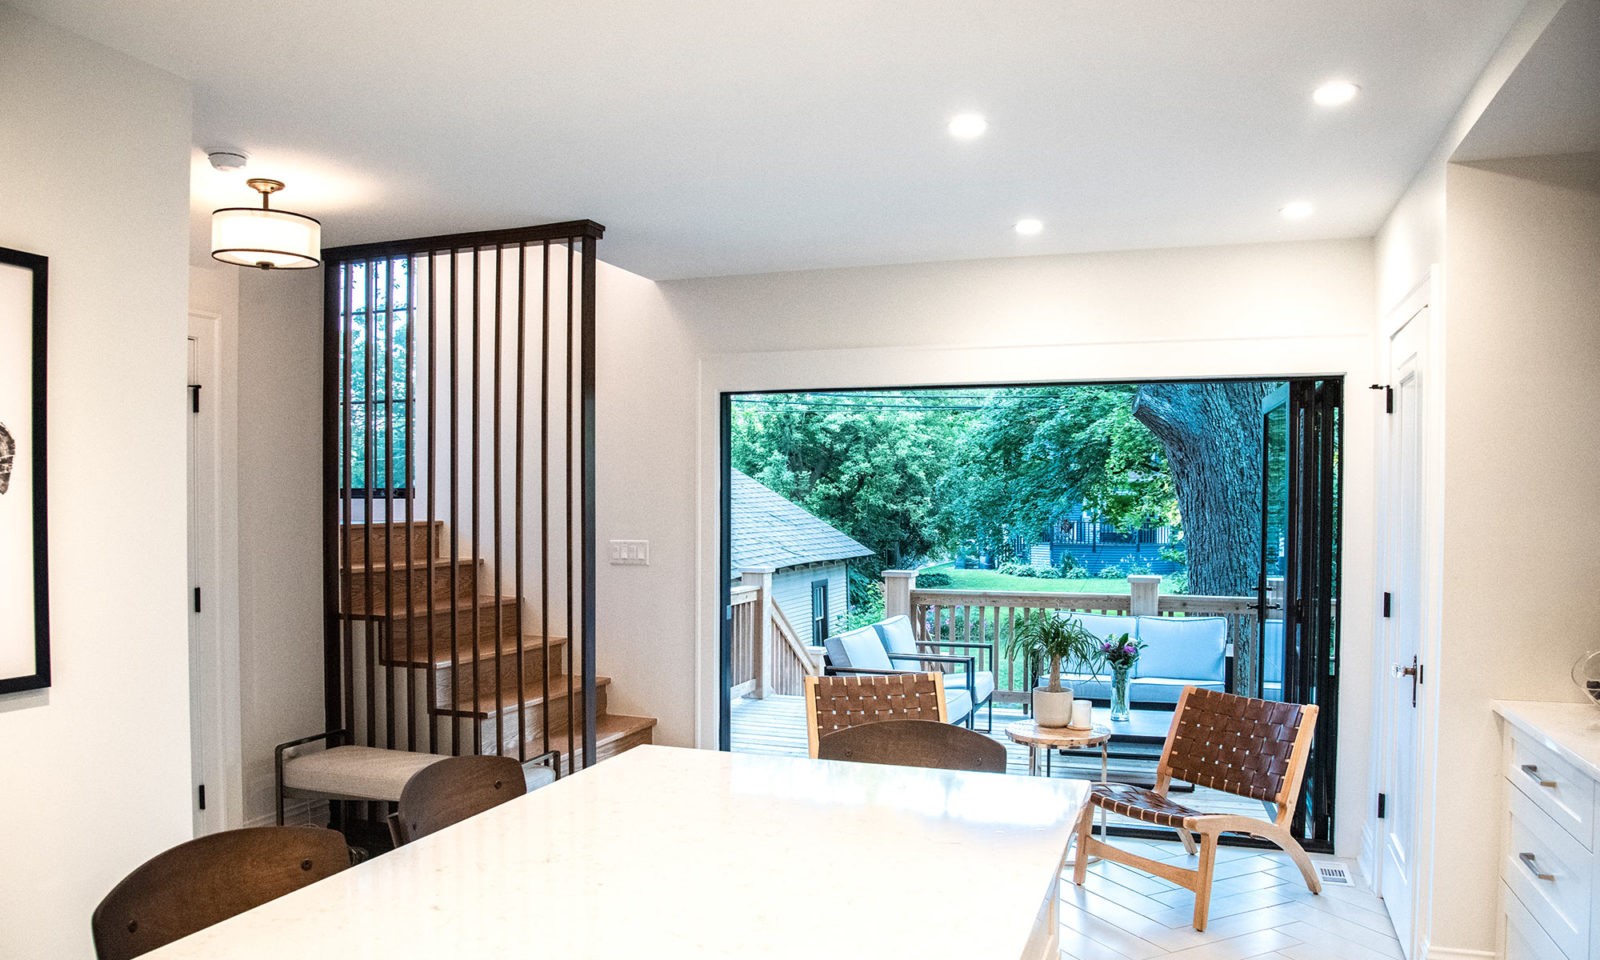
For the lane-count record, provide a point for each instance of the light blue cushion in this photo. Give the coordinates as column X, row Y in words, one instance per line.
column 957, row 704
column 860, row 649
column 897, row 636
column 1183, row 648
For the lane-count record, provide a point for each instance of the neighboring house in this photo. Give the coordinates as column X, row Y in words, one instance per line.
column 809, row 558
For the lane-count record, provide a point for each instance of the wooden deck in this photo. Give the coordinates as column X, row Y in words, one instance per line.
column 777, row 726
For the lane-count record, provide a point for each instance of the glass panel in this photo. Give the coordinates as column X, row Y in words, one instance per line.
column 1274, row 547
column 382, row 330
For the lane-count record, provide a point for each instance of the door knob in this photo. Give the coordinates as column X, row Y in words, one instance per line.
column 1400, row 671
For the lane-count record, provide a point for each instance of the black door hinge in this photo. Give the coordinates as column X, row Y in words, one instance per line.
column 1383, row 805
column 202, row 796
column 1388, row 604
column 1388, row 396
column 196, row 599
column 194, row 397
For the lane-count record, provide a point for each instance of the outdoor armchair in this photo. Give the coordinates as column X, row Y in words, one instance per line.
column 861, row 652
column 899, row 639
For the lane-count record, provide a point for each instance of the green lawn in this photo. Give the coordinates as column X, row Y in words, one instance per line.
column 990, row 580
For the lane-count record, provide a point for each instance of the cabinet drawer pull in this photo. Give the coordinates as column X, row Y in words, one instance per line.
column 1533, row 774
column 1532, row 863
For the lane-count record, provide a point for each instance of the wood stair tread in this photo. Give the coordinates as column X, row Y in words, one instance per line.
column 488, row 706
column 609, row 727
column 419, row 610
column 399, row 566
column 416, row 655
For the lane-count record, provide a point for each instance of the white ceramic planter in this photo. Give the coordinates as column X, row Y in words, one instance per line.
column 1052, row 709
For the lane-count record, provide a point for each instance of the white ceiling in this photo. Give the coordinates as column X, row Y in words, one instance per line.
column 735, row 136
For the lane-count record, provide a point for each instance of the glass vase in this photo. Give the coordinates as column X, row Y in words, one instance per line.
column 1119, row 692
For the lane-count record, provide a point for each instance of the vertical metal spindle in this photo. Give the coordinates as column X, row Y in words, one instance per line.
column 455, row 505
column 433, row 487
column 369, row 662
column 499, row 608
column 408, row 450
column 590, row 708
column 573, row 635
column 347, row 627
column 544, row 508
column 388, row 506
column 522, row 340
column 477, row 539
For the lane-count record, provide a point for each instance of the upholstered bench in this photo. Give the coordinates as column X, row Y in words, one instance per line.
column 350, row 772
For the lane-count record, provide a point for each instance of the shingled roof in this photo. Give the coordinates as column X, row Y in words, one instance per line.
column 770, row 531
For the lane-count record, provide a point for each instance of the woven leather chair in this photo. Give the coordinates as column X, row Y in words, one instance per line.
column 452, row 790
column 1252, row 748
column 915, row 743
column 208, row 880
column 837, row 703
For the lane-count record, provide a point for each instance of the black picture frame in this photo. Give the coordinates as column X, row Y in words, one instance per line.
column 15, row 310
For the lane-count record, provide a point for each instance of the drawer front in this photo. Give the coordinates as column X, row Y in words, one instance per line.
column 1553, row 785
column 1521, row 938
column 1550, row 875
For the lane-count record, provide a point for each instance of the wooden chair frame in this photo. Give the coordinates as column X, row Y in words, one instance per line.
column 813, row 733
column 1209, row 827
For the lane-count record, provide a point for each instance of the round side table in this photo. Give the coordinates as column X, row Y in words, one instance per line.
column 1035, row 737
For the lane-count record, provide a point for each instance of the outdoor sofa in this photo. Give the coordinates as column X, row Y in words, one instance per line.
column 1179, row 652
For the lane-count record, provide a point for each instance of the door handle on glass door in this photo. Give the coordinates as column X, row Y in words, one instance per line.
column 1414, row 672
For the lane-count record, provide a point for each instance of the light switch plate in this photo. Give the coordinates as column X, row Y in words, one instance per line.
column 630, row 553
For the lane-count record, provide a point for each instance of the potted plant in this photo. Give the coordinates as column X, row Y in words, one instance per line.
column 1064, row 641
column 1120, row 654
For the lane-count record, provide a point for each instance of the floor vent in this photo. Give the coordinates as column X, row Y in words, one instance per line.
column 1335, row 874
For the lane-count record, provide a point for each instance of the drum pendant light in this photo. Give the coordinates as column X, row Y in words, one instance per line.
column 265, row 238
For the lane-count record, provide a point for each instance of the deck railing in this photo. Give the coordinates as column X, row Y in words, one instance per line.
column 944, row 619
column 766, row 652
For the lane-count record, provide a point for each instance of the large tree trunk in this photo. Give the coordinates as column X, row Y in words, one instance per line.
column 1212, row 436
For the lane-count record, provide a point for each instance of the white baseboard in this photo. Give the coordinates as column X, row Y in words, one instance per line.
column 1455, row 953
column 295, row 812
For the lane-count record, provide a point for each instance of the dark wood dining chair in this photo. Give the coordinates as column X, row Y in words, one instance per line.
column 915, row 743
column 209, row 879
column 452, row 790
column 1239, row 745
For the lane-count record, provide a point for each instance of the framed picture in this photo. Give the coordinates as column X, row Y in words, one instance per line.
column 24, row 591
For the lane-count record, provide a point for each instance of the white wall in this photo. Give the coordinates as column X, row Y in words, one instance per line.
column 1256, row 310
column 95, row 769
column 1521, row 505
column 280, row 520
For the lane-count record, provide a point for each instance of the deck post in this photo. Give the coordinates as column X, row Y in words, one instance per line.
column 762, row 632
column 897, row 587
column 1143, row 590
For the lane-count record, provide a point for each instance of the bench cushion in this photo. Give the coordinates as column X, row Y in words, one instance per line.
column 1183, row 648
column 366, row 773
column 1106, row 625
column 860, row 649
column 897, row 635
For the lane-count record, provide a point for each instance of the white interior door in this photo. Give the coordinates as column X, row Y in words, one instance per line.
column 1402, row 628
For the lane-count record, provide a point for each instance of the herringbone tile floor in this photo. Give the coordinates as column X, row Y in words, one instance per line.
column 1259, row 908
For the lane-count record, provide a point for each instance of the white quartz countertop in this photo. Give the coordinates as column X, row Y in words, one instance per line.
column 1571, row 730
column 665, row 852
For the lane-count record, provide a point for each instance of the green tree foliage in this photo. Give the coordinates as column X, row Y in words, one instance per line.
column 1034, row 451
column 868, row 464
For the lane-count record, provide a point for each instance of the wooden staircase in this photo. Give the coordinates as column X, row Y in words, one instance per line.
column 482, row 681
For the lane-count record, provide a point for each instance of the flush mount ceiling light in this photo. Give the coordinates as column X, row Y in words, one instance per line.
column 265, row 238
column 1335, row 93
column 966, row 126
column 1297, row 210
column 1029, row 227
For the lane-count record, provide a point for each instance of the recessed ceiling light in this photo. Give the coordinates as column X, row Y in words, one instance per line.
column 1297, row 210
column 965, row 126
column 1029, row 227
column 1335, row 93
